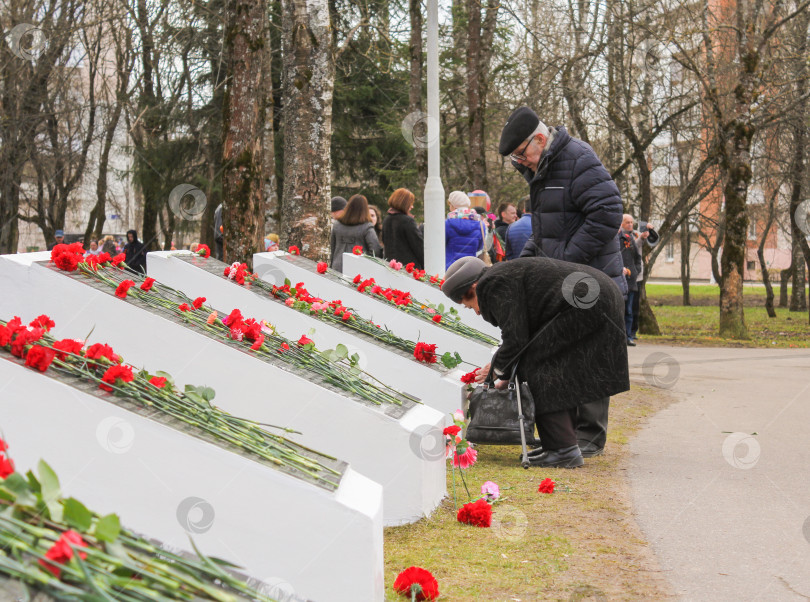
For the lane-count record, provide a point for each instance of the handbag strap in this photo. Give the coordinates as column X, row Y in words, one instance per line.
column 516, row 360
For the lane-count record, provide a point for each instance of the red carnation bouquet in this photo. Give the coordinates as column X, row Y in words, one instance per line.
column 417, row 583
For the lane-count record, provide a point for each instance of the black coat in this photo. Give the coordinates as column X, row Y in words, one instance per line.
column 581, row 355
column 135, row 254
column 631, row 257
column 402, row 239
column 576, row 208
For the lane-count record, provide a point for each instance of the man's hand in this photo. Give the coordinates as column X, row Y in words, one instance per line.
column 627, row 271
column 645, row 234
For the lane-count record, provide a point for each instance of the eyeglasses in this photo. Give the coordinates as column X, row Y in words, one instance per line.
column 520, row 156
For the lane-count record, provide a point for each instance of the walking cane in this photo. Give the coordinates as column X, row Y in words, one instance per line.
column 524, row 459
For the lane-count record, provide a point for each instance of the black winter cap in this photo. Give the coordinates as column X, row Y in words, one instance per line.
column 520, row 125
column 338, row 203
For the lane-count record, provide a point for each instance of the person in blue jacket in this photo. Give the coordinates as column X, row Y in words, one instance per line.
column 519, row 232
column 463, row 230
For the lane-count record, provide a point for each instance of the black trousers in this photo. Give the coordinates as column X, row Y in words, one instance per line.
column 636, row 309
column 592, row 423
column 556, row 429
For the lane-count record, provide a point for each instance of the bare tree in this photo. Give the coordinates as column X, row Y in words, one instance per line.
column 309, row 71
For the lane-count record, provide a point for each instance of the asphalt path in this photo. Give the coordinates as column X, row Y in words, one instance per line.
column 720, row 479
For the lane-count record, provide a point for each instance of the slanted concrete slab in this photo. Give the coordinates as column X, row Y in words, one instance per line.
column 275, row 267
column 322, row 543
column 387, row 277
column 397, row 446
column 433, row 384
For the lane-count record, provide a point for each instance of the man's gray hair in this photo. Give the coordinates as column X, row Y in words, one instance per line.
column 547, row 132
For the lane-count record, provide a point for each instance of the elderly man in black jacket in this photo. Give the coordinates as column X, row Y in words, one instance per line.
column 562, row 323
column 576, row 213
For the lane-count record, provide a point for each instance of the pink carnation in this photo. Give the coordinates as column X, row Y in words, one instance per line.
column 465, row 460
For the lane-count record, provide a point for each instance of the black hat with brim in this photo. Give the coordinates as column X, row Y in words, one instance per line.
column 520, row 125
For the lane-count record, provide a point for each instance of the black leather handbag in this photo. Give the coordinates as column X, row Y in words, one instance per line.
column 497, row 416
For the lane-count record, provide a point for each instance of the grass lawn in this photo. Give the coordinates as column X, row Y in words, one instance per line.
column 579, row 542
column 698, row 323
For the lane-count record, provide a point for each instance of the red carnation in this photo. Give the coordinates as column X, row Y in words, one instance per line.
column 357, row 250
column 184, row 307
column 118, row 260
column 425, row 584
column 284, row 347
column 3, row 445
column 39, row 357
column 424, row 352
column 24, row 337
column 158, row 381
column 121, row 290
column 437, row 318
column 477, row 513
column 409, row 267
column 257, row 343
column 305, row 341
column 147, row 284
column 293, row 250
column 234, row 319
column 6, row 466
column 452, row 430
column 5, row 335
column 62, row 551
column 346, row 316
column 469, row 378
column 43, row 322
column 434, row 279
column 66, row 261
column 114, row 373
column 322, row 267
column 357, row 279
column 66, row 346
column 100, row 350
column 546, row 486
column 204, row 251
column 197, row 303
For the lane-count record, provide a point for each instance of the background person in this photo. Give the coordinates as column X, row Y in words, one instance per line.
column 58, row 239
column 353, row 228
column 632, row 266
column 578, row 357
column 506, row 215
column 135, row 253
column 644, row 234
column 576, row 214
column 376, row 221
column 337, row 207
column 519, row 232
column 403, row 239
column 464, row 233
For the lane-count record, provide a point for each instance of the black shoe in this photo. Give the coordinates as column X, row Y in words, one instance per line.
column 631, row 343
column 532, row 453
column 590, row 451
column 568, row 457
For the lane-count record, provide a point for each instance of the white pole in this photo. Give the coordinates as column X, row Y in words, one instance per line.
column 434, row 190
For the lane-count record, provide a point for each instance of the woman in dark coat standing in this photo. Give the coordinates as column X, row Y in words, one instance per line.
column 135, row 253
column 579, row 354
column 402, row 239
column 353, row 229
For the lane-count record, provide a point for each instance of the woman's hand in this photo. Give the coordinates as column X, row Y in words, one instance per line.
column 501, row 384
column 481, row 374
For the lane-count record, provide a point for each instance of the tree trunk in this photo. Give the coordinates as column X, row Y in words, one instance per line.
column 415, row 90
column 477, row 173
column 271, row 208
column 784, row 279
column 798, row 299
column 766, row 280
column 685, row 267
column 309, row 73
column 243, row 125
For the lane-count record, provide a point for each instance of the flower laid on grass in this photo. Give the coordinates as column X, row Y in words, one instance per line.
column 417, row 583
column 67, row 551
column 546, row 486
column 477, row 513
column 491, row 491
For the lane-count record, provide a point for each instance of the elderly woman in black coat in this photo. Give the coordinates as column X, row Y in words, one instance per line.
column 569, row 319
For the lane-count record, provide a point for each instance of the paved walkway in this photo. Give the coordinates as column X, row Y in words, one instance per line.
column 721, row 479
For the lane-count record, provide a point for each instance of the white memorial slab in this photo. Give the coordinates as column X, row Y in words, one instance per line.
column 400, row 447
column 275, row 267
column 323, row 543
column 387, row 277
column 433, row 384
